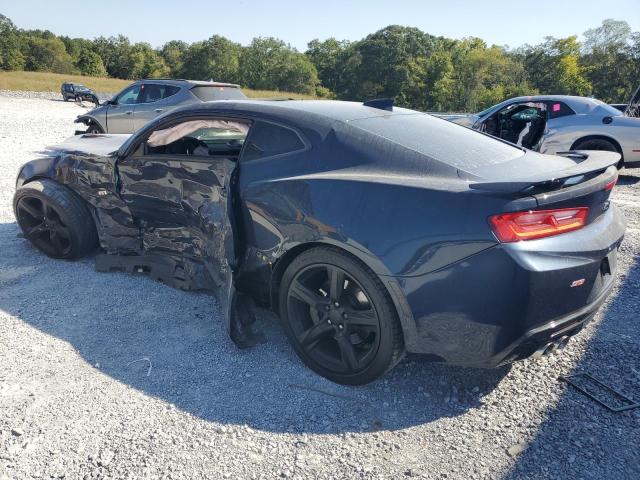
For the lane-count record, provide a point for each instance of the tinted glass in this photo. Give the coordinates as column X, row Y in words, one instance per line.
column 151, row 92
column 129, row 96
column 440, row 140
column 207, row 93
column 267, row 139
column 559, row 109
column 170, row 90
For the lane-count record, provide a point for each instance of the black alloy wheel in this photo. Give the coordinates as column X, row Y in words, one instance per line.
column 54, row 219
column 339, row 318
column 43, row 226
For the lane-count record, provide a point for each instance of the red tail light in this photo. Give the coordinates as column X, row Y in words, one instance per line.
column 609, row 186
column 517, row 226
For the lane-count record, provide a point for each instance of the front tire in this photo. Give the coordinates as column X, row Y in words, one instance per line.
column 339, row 317
column 54, row 219
column 94, row 129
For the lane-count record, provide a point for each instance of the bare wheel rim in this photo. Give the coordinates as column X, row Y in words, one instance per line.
column 333, row 319
column 43, row 226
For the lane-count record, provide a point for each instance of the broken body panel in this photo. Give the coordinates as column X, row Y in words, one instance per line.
column 168, row 219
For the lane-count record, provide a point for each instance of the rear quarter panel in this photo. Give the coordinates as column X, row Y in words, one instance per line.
column 563, row 132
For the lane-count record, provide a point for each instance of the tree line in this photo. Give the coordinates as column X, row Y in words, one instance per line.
column 418, row 70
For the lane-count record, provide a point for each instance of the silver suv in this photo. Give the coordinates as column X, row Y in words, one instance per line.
column 144, row 100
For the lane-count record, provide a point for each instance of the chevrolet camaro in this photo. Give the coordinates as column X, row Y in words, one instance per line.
column 371, row 230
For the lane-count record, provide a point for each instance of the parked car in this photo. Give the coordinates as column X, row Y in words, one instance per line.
column 558, row 123
column 371, row 230
column 144, row 100
column 78, row 92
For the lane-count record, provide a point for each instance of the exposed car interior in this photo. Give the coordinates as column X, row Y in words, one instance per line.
column 199, row 138
column 519, row 123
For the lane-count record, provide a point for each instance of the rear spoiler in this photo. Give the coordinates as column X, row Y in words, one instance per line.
column 587, row 161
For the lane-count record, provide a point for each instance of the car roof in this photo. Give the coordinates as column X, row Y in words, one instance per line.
column 298, row 110
column 181, row 81
column 571, row 100
column 577, row 104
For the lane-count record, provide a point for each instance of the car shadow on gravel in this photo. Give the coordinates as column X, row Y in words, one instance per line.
column 627, row 179
column 172, row 345
column 580, row 438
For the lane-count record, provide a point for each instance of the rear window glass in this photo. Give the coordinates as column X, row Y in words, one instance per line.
column 267, row 140
column 440, row 140
column 207, row 93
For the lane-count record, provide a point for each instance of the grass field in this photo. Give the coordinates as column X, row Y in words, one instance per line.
column 50, row 82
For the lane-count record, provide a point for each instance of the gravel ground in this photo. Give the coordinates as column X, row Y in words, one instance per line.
column 115, row 376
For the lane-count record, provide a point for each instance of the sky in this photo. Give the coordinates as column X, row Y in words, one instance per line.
column 500, row 22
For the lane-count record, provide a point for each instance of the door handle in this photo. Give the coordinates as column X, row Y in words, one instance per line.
column 129, row 112
column 158, row 110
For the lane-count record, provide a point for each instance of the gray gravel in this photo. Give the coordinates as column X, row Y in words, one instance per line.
column 45, row 95
column 78, row 398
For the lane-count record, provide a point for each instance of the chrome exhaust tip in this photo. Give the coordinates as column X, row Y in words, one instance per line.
column 563, row 342
column 551, row 348
column 543, row 350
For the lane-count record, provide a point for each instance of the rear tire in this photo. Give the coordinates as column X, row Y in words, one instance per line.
column 339, row 317
column 54, row 219
column 598, row 144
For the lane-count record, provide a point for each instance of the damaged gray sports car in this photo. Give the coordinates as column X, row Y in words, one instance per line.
column 371, row 230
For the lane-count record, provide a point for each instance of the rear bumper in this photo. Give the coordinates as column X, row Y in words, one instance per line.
column 505, row 302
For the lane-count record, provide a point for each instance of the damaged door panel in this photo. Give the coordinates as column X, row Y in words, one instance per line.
column 178, row 187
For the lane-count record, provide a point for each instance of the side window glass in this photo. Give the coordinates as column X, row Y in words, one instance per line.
column 267, row 140
column 559, row 109
column 129, row 96
column 212, row 137
column 150, row 92
column 170, row 91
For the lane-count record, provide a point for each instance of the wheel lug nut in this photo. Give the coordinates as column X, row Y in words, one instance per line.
column 340, row 327
column 345, row 316
column 329, row 321
column 327, row 308
column 336, row 304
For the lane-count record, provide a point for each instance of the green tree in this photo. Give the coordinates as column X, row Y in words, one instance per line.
column 381, row 64
column 327, row 57
column 114, row 52
column 11, row 57
column 555, row 66
column 173, row 54
column 611, row 54
column 145, row 62
column 89, row 63
column 47, row 54
column 271, row 64
column 484, row 76
column 217, row 58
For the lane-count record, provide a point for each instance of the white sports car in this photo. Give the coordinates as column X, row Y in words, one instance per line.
column 559, row 123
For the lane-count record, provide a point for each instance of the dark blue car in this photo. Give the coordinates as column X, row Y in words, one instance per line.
column 371, row 230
